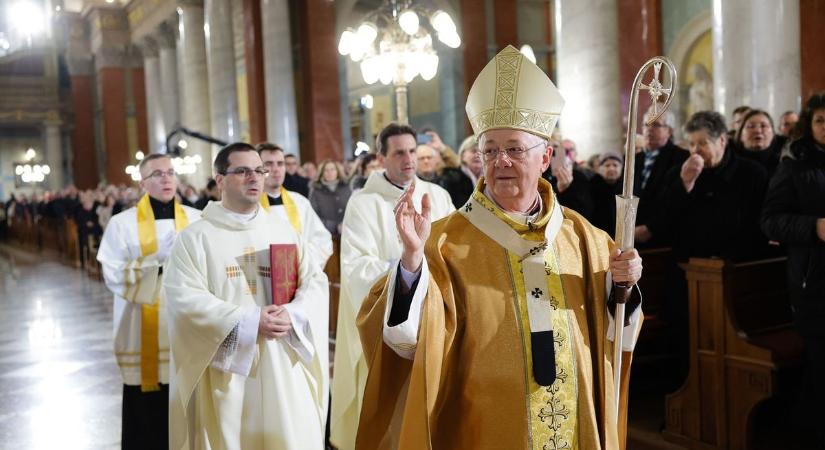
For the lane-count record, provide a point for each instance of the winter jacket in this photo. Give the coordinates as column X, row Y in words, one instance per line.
column 794, row 202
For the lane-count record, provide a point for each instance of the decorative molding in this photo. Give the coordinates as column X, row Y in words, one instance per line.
column 148, row 47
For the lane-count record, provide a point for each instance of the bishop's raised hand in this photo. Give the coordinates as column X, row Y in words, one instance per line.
column 413, row 228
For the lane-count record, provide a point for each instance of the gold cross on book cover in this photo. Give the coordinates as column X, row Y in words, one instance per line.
column 283, row 260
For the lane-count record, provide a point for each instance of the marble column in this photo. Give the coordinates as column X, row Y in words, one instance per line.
column 812, row 22
column 196, row 115
column 588, row 74
column 756, row 55
column 54, row 155
column 168, row 63
column 220, row 61
column 154, row 97
column 281, row 114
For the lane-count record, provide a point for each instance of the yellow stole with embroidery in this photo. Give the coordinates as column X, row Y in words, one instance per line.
column 289, row 205
column 147, row 235
column 553, row 409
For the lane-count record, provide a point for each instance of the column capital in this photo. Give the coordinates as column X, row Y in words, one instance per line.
column 166, row 34
column 190, row 3
column 148, row 47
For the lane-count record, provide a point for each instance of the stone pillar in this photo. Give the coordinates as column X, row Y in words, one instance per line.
column 54, row 155
column 110, row 44
column 83, row 160
column 156, row 127
column 473, row 45
column 254, row 80
column 812, row 41
column 168, row 66
column 320, row 94
column 194, row 77
column 640, row 39
column 220, row 60
column 281, row 114
column 756, row 55
column 588, row 74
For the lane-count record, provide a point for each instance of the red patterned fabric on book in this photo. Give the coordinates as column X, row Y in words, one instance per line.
column 283, row 262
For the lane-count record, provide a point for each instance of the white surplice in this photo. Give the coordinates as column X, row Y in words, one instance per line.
column 370, row 246
column 231, row 388
column 126, row 273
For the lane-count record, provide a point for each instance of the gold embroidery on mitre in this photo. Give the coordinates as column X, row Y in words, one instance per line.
column 535, row 113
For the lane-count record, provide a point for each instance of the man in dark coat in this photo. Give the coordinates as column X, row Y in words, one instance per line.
column 461, row 182
column 293, row 181
column 652, row 164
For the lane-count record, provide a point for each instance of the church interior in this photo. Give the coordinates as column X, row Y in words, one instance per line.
column 729, row 355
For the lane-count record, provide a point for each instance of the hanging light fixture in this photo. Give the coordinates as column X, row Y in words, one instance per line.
column 393, row 46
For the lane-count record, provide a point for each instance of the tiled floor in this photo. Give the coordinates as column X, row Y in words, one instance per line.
column 59, row 384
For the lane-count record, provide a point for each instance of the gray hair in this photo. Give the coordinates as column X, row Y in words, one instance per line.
column 468, row 143
column 667, row 117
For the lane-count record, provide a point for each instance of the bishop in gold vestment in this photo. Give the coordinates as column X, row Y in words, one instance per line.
column 496, row 332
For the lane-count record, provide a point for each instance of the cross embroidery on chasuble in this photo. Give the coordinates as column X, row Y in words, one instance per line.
column 287, row 282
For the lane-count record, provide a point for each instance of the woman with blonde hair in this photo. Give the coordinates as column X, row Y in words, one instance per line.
column 329, row 195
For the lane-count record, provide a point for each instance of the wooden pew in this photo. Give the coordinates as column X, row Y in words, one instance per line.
column 651, row 346
column 740, row 338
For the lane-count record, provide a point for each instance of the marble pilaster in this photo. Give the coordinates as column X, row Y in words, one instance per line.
column 220, row 60
column 168, row 66
column 588, row 74
column 281, row 113
column 761, row 70
column 154, row 98
column 54, row 155
column 196, row 115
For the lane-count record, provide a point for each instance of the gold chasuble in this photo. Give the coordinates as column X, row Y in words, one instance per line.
column 147, row 235
column 490, row 283
column 289, row 205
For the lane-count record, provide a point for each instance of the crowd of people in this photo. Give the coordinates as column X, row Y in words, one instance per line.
column 741, row 188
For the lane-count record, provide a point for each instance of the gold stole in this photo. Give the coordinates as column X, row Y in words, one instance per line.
column 289, row 204
column 147, row 235
column 553, row 410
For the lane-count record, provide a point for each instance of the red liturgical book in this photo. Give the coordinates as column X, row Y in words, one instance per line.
column 283, row 261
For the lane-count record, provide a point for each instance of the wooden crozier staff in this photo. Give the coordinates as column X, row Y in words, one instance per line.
column 626, row 203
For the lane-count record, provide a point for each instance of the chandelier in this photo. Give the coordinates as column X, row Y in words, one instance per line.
column 392, row 45
column 31, row 172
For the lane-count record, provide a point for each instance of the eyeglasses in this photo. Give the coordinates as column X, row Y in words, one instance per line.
column 753, row 126
column 247, row 172
column 159, row 174
column 513, row 153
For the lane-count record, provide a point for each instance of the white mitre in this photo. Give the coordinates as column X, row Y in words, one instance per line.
column 512, row 92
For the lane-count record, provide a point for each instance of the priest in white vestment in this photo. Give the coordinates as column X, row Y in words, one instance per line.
column 369, row 247
column 494, row 329
column 292, row 206
column 247, row 374
column 134, row 247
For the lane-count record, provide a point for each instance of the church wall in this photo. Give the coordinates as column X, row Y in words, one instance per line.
column 678, row 13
